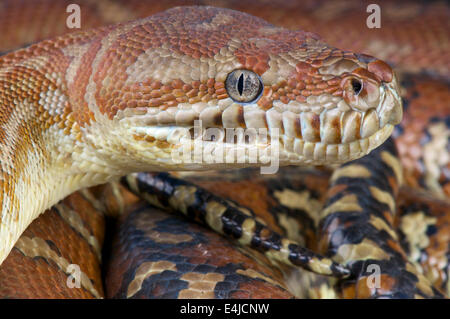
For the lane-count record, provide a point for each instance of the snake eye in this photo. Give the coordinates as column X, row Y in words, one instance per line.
column 243, row 86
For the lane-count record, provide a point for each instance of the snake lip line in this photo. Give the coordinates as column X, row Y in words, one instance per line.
column 219, row 142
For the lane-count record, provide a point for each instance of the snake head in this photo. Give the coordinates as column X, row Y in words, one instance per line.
column 167, row 79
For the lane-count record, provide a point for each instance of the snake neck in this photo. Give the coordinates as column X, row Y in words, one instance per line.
column 43, row 156
column 37, row 170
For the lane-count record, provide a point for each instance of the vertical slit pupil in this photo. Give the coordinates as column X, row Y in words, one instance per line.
column 240, row 85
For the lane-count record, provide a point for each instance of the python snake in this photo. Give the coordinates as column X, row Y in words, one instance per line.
column 91, row 106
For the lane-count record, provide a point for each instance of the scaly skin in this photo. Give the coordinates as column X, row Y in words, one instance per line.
column 357, row 229
column 94, row 105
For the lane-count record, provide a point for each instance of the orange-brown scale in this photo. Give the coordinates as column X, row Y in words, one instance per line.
column 62, row 236
column 435, row 257
column 155, row 94
column 305, row 81
column 25, row 84
column 184, row 34
column 79, row 104
column 152, row 34
column 255, row 56
column 426, row 98
column 37, row 83
column 22, row 276
column 336, row 125
column 111, row 197
column 46, row 280
column 17, row 86
column 92, row 219
column 203, row 249
column 336, row 189
column 363, row 291
column 51, row 47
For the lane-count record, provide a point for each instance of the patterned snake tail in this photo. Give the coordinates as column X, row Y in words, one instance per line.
column 91, row 106
column 424, row 233
column 357, row 225
column 165, row 191
column 159, row 255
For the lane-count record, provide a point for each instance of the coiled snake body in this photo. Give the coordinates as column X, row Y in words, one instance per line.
column 92, row 106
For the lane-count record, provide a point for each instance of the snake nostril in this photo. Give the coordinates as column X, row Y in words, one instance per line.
column 357, row 86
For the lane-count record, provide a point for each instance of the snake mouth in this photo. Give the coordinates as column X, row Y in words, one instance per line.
column 289, row 151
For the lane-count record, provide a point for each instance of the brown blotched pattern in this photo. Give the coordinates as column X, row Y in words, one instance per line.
column 423, row 224
column 358, row 230
column 58, row 256
column 423, row 137
column 156, row 255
